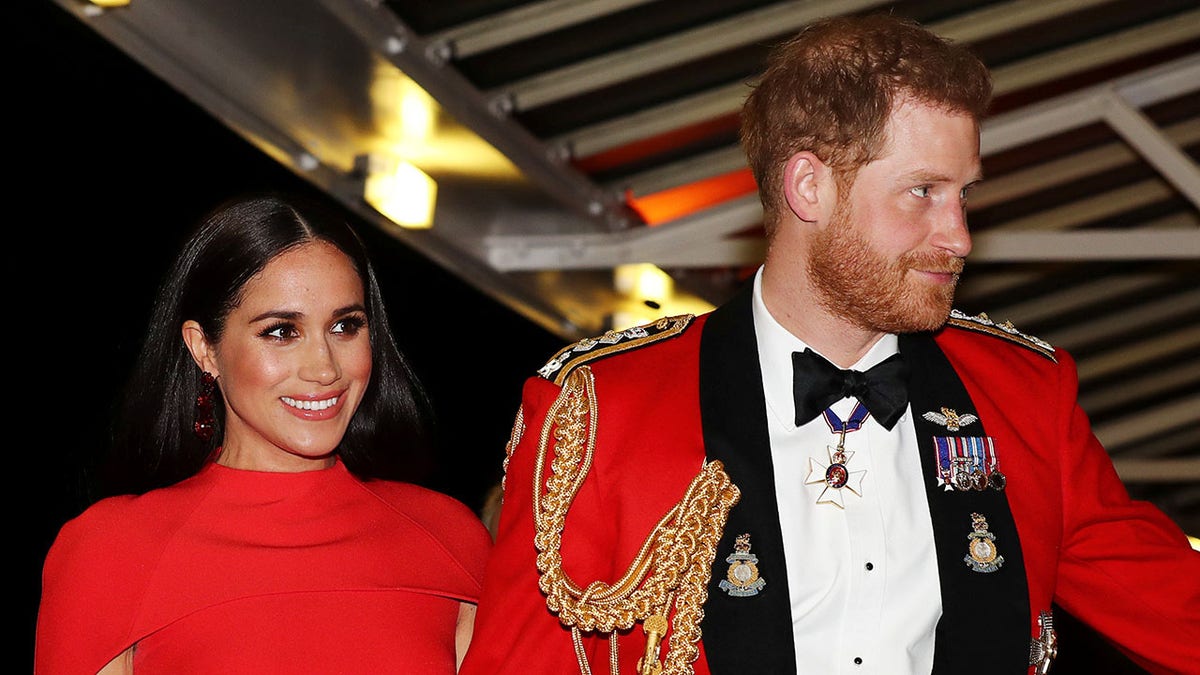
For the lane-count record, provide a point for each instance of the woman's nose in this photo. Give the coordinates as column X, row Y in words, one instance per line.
column 320, row 364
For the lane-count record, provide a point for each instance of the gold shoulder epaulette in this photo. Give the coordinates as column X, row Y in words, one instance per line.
column 591, row 348
column 981, row 323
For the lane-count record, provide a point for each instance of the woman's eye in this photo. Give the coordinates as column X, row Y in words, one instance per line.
column 282, row 331
column 921, row 191
column 351, row 325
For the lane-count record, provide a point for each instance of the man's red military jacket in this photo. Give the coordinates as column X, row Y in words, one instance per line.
column 673, row 396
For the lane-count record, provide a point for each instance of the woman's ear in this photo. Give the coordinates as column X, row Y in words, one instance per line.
column 803, row 177
column 198, row 345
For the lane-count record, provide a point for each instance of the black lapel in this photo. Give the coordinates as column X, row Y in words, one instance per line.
column 743, row 634
column 985, row 615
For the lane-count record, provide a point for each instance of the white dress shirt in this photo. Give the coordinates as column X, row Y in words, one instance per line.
column 863, row 579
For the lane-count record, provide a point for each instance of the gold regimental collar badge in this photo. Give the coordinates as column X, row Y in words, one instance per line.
column 742, row 579
column 982, row 555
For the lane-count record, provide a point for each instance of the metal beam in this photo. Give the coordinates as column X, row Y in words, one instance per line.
column 589, row 251
column 999, row 133
column 1095, row 53
column 1144, row 384
column 1052, row 303
column 647, row 57
column 521, row 23
column 1180, row 470
column 727, row 99
column 695, row 168
column 603, row 252
column 1139, row 244
column 1182, row 340
column 1181, row 411
column 1149, row 140
column 988, row 193
column 1071, row 111
column 1068, row 168
column 700, row 240
column 1182, row 441
column 1090, row 209
column 681, row 112
column 425, row 63
column 1002, row 18
column 1104, row 326
column 1173, row 79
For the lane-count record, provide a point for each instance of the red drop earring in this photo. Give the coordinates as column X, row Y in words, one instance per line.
column 205, row 423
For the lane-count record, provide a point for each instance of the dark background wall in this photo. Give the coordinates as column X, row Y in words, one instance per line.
column 110, row 166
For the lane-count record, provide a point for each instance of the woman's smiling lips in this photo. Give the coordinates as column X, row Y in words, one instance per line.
column 314, row 408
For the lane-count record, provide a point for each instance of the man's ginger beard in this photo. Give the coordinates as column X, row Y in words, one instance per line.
column 858, row 284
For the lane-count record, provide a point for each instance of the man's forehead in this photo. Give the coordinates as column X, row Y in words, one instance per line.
column 929, row 143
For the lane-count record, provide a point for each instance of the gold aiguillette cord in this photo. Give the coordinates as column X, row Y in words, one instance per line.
column 671, row 569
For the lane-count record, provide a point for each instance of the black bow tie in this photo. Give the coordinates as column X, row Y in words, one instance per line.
column 818, row 384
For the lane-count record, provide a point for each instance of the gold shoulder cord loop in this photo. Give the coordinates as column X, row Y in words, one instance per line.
column 514, row 439
column 671, row 569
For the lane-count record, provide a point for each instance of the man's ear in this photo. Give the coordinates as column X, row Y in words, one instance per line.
column 198, row 345
column 803, row 177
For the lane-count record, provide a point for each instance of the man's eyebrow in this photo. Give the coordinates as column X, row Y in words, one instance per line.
column 924, row 176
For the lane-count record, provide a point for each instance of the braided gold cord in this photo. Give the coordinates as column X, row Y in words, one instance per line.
column 514, row 439
column 580, row 652
column 614, row 661
column 671, row 568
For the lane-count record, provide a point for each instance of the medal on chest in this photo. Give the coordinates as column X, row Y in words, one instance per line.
column 982, row 555
column 742, row 579
column 837, row 475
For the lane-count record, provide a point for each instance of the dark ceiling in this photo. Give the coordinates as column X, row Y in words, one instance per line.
column 619, row 119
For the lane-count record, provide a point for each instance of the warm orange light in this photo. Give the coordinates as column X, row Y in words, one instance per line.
column 680, row 201
column 110, row 3
column 661, row 144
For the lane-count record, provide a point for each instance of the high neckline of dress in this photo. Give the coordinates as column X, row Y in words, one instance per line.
column 232, row 473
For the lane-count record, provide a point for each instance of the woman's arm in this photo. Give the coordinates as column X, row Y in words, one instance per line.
column 462, row 634
column 123, row 664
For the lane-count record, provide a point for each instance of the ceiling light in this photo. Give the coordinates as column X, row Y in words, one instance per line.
column 400, row 191
column 649, row 294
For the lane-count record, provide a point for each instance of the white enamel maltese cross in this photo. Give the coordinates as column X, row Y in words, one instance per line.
column 835, row 476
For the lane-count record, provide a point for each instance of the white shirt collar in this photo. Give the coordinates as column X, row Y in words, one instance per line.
column 775, row 347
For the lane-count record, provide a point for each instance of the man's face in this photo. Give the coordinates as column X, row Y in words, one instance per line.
column 890, row 256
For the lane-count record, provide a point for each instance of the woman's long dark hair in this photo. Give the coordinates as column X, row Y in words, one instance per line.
column 153, row 440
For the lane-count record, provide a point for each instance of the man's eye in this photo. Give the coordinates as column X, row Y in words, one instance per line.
column 921, row 191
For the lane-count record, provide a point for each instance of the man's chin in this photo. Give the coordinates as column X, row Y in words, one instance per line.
column 926, row 319
column 933, row 324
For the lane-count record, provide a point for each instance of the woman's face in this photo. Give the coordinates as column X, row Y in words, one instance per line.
column 293, row 363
